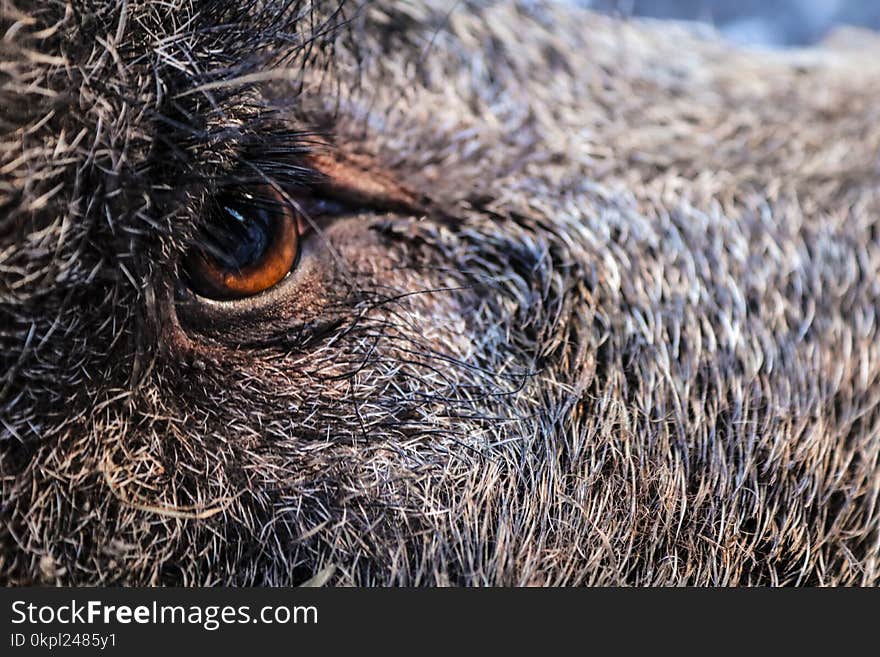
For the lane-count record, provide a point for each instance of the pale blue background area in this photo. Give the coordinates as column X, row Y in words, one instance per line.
column 757, row 22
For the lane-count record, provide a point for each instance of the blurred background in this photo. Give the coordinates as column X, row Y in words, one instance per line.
column 777, row 23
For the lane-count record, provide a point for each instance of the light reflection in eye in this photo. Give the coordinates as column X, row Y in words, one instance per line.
column 249, row 243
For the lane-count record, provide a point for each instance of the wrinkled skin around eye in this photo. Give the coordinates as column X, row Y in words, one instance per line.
column 596, row 303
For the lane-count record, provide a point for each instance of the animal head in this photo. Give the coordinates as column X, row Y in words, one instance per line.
column 432, row 292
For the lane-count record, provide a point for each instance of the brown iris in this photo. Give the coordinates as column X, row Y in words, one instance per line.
column 249, row 243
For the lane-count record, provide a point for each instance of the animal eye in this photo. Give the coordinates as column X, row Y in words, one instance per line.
column 249, row 242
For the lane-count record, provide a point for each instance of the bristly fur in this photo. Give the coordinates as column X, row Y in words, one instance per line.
column 633, row 340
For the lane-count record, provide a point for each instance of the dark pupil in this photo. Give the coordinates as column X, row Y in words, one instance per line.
column 239, row 235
